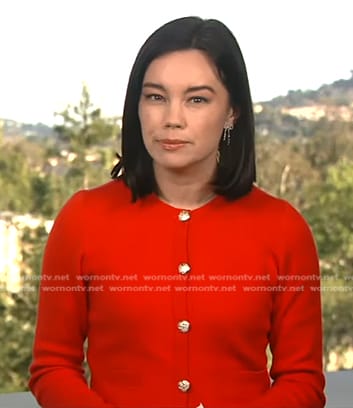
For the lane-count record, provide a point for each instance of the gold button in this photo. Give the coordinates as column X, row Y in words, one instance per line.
column 184, row 385
column 184, row 215
column 184, row 326
column 184, row 268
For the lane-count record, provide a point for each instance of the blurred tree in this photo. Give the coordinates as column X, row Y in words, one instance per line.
column 84, row 127
column 18, row 314
column 283, row 169
column 15, row 183
column 330, row 215
column 42, row 195
column 1, row 131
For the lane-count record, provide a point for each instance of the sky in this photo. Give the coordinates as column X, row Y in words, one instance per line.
column 49, row 48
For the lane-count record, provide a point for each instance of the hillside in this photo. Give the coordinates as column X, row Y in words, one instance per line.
column 303, row 113
column 338, row 93
column 13, row 129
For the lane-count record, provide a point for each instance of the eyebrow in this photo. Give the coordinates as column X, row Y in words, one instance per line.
column 189, row 90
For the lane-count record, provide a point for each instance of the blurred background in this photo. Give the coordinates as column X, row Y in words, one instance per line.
column 63, row 74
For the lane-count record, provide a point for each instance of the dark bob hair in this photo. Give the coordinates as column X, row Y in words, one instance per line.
column 236, row 170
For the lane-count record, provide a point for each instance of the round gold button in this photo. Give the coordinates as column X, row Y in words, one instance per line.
column 184, row 268
column 184, row 215
column 184, row 326
column 184, row 385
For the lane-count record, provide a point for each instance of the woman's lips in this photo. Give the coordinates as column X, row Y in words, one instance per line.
column 172, row 144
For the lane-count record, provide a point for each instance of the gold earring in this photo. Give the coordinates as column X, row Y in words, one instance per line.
column 218, row 157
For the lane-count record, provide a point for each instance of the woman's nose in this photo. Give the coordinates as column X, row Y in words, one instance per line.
column 174, row 115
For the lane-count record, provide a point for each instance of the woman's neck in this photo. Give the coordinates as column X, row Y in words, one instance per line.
column 184, row 189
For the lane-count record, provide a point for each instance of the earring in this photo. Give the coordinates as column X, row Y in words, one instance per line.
column 226, row 134
column 218, row 157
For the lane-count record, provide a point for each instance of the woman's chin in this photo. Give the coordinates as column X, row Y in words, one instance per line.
column 173, row 165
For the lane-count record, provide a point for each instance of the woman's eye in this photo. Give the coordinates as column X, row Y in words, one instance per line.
column 198, row 99
column 154, row 97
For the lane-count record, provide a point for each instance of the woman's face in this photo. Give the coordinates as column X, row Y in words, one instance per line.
column 183, row 109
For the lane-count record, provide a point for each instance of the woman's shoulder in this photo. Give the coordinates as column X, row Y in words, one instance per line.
column 105, row 197
column 113, row 190
column 264, row 202
column 267, row 209
column 279, row 212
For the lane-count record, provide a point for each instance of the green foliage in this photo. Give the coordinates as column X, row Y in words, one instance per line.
column 1, row 132
column 15, row 184
column 83, row 127
column 330, row 215
column 42, row 192
column 18, row 314
column 30, row 184
column 82, row 124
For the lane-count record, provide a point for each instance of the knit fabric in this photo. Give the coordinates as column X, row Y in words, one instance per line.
column 178, row 306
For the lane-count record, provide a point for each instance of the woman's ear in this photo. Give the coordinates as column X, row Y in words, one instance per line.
column 232, row 117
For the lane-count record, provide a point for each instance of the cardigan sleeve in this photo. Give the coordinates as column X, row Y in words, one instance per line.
column 296, row 330
column 57, row 378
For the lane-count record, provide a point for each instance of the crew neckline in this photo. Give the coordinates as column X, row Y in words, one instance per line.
column 154, row 198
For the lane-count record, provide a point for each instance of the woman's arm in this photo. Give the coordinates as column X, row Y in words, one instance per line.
column 57, row 377
column 296, row 333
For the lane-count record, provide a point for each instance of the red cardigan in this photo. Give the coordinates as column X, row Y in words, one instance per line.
column 178, row 307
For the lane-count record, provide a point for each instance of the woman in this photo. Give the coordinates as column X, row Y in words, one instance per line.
column 180, row 271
